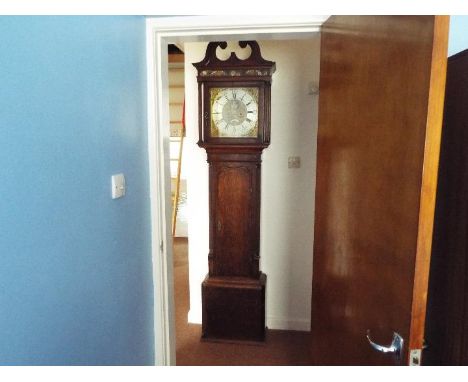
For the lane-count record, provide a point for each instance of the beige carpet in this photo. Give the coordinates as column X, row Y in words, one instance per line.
column 281, row 347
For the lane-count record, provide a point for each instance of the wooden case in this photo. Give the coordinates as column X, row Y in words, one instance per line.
column 233, row 293
column 234, row 309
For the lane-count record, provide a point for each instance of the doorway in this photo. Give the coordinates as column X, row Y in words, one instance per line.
column 287, row 211
column 180, row 30
column 389, row 97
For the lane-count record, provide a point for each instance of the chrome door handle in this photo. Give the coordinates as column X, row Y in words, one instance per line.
column 396, row 347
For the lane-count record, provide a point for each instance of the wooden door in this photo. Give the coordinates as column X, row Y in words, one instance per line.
column 235, row 217
column 380, row 111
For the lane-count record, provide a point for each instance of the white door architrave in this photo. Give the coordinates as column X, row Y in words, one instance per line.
column 160, row 32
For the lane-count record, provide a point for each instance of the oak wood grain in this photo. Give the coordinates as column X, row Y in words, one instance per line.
column 375, row 137
column 429, row 180
column 233, row 294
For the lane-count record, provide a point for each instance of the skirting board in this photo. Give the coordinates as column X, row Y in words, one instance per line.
column 194, row 317
column 288, row 324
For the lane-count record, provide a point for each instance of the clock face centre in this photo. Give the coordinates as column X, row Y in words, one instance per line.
column 234, row 112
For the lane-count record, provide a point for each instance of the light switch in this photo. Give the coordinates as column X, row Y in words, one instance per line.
column 294, row 162
column 118, row 186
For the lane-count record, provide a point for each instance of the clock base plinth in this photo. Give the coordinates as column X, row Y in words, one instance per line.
column 234, row 309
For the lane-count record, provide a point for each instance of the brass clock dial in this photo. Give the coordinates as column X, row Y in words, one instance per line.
column 234, row 112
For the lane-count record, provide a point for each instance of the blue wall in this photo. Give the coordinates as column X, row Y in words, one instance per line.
column 75, row 265
column 458, row 35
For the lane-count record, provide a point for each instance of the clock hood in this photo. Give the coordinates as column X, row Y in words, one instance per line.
column 254, row 66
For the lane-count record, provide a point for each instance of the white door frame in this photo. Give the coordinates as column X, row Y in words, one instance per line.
column 161, row 31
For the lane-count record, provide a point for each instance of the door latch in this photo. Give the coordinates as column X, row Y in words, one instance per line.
column 415, row 357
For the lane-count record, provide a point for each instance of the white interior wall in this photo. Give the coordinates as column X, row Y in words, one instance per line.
column 287, row 210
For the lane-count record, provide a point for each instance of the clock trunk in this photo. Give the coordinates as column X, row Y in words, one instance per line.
column 234, row 214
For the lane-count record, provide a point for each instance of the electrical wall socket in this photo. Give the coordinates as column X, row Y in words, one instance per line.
column 294, row 162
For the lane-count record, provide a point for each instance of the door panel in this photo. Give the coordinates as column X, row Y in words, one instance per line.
column 374, row 202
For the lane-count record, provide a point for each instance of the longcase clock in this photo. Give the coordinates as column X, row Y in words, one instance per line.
column 234, row 128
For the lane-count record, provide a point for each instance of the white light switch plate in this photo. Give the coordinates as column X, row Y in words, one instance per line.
column 118, row 186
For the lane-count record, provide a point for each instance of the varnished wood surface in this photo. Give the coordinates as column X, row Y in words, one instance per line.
column 375, row 86
column 447, row 314
column 234, row 309
column 235, row 180
column 255, row 61
column 233, row 220
column 429, row 180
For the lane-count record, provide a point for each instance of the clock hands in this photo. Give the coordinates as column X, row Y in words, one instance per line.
column 234, row 112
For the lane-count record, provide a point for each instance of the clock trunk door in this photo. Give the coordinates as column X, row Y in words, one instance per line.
column 235, row 214
column 382, row 84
